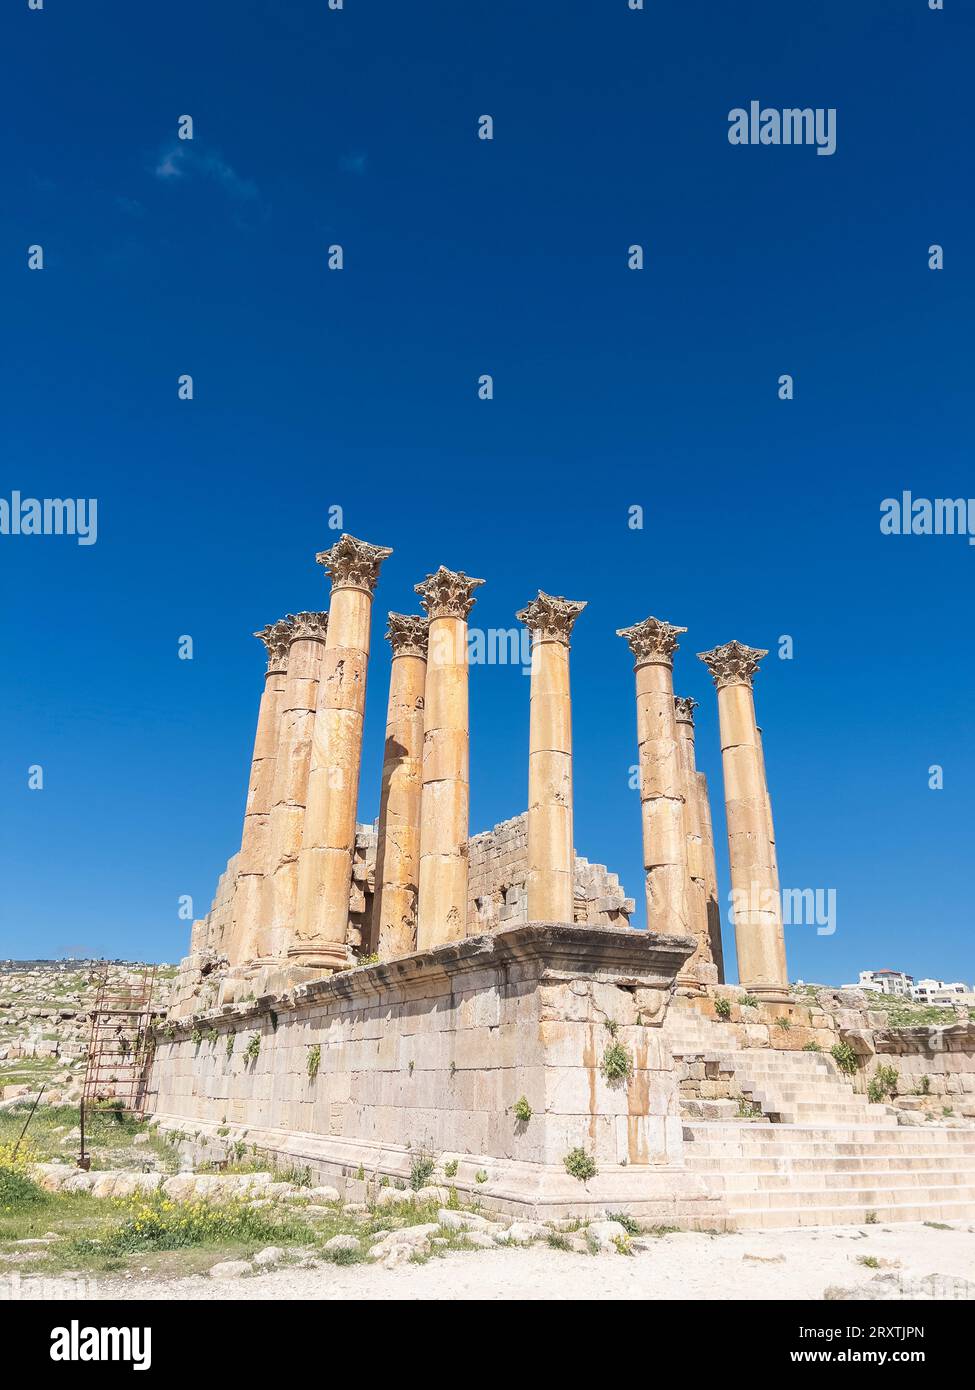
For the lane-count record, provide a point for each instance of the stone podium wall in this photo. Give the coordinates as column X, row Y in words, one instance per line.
column 429, row 1055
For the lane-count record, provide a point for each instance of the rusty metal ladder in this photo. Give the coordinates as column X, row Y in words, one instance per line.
column 118, row 1043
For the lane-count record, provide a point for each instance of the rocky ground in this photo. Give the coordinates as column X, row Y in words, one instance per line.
column 914, row 1263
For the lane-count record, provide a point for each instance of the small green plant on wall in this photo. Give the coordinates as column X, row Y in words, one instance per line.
column 617, row 1064
column 579, row 1164
column 722, row 1007
column 253, row 1047
column 314, row 1061
column 844, row 1057
column 230, row 1041
column 522, row 1110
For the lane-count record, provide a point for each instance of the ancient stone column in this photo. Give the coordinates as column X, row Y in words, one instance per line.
column 292, row 767
column 710, row 874
column 328, row 838
column 700, row 966
column 398, row 849
column 653, row 643
column 551, row 859
column 252, row 862
column 759, row 938
column 445, row 803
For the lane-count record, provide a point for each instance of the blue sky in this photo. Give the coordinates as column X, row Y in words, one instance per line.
column 613, row 388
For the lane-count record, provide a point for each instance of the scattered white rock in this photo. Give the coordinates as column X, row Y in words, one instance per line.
column 343, row 1243
column 270, row 1256
column 231, row 1269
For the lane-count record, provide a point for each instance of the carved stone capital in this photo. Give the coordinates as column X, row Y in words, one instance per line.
column 448, row 593
column 353, row 564
column 652, row 641
column 684, row 708
column 276, row 638
column 309, row 626
column 550, row 618
column 407, row 634
column 732, row 664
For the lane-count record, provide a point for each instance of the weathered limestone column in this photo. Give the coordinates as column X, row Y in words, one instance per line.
column 701, row 964
column 551, row 858
column 398, row 850
column 653, row 643
column 292, row 768
column 759, row 937
column 445, row 804
column 710, row 874
column 252, row 862
column 328, row 838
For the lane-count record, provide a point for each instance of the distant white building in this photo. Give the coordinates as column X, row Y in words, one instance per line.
column 939, row 992
column 888, row 982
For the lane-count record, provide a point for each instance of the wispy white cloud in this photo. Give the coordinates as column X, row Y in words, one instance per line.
column 353, row 163
column 185, row 162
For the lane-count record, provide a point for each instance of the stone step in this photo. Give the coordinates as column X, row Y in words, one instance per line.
column 719, row 1139
column 783, row 1218
column 863, row 1196
column 860, row 1163
column 842, row 1186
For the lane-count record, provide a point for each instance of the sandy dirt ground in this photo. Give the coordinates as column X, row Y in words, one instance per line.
column 762, row 1265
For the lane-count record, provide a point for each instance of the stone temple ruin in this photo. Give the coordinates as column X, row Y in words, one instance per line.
column 360, row 995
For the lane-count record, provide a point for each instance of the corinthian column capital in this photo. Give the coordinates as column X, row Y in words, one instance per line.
column 308, row 626
column 732, row 664
column 448, row 593
column 407, row 634
column 550, row 619
column 276, row 637
column 353, row 564
column 684, row 708
column 652, row 641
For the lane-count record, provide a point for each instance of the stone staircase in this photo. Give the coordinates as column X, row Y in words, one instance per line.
column 817, row 1153
column 797, row 1088
column 782, row 1175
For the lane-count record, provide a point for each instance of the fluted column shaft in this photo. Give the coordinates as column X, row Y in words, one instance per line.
column 710, row 874
column 445, row 800
column 398, row 849
column 292, row 768
column 252, row 863
column 551, row 859
column 653, row 643
column 759, row 936
column 697, row 895
column 328, row 838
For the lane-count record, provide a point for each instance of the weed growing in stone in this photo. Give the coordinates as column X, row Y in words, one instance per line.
column 522, row 1110
column 314, row 1061
column 722, row 1007
column 882, row 1084
column 421, row 1171
column 617, row 1064
column 579, row 1164
column 844, row 1057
